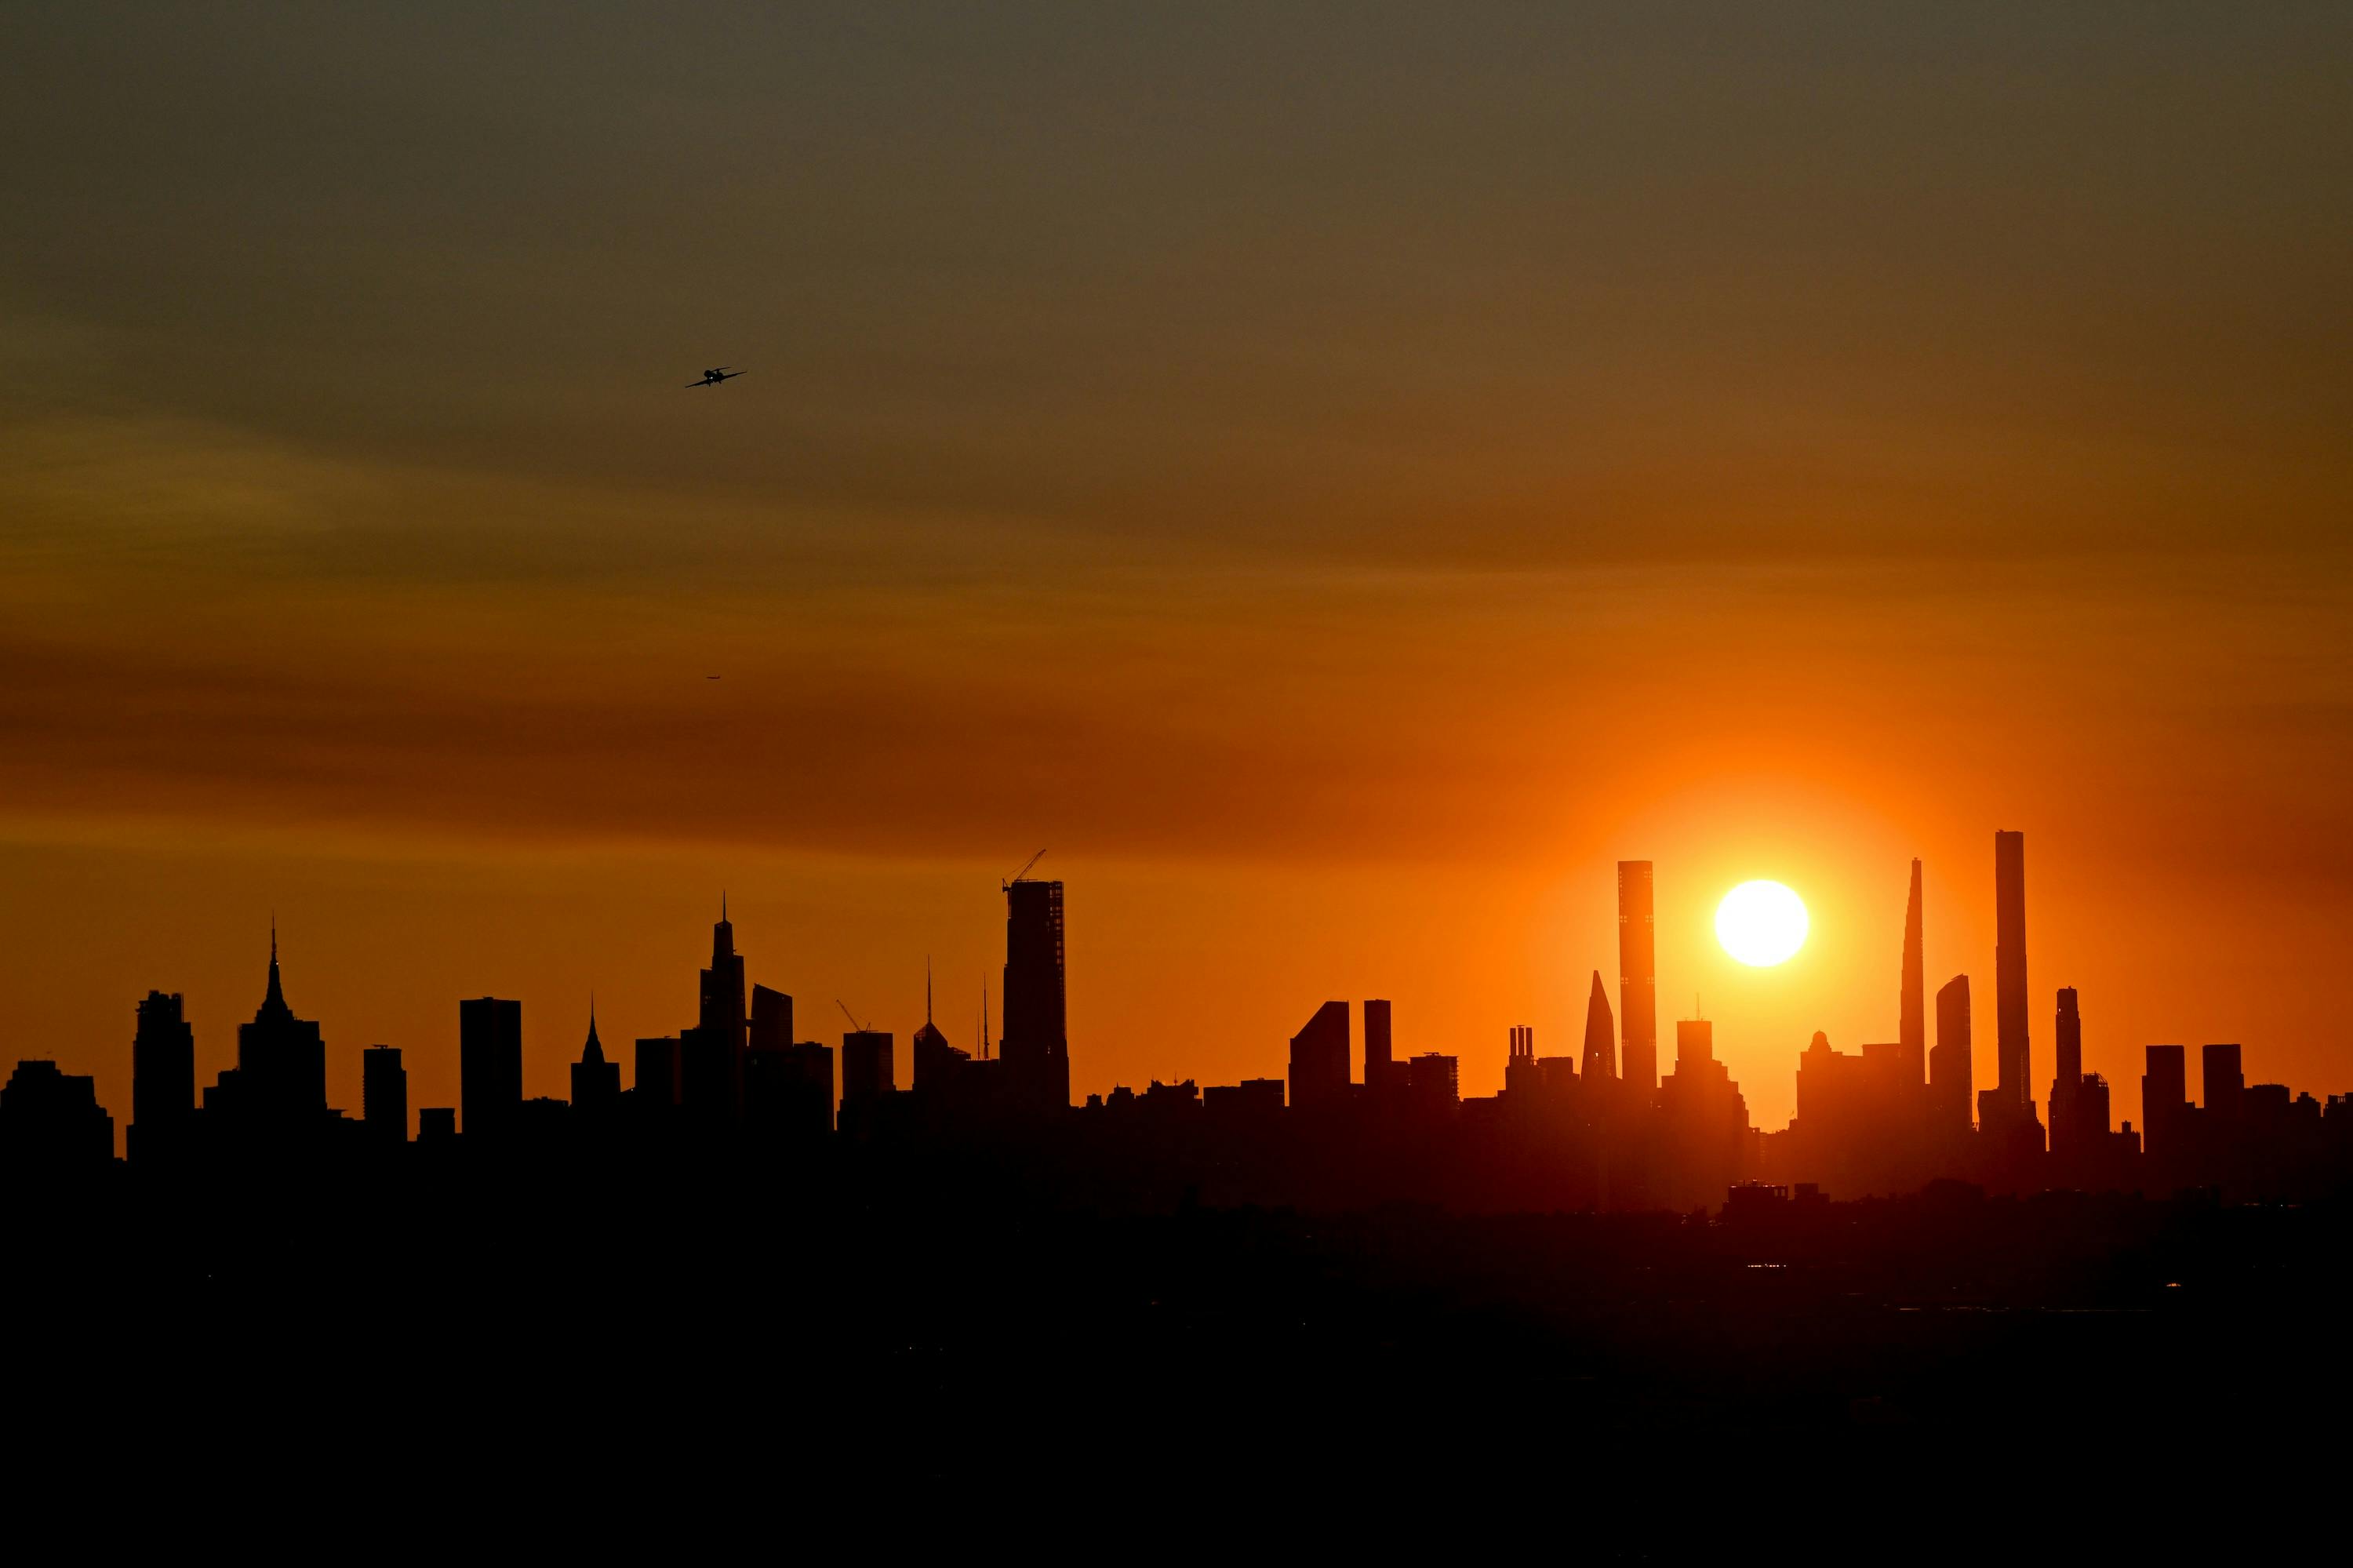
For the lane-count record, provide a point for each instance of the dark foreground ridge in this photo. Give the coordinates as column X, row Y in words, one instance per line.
column 870, row 1323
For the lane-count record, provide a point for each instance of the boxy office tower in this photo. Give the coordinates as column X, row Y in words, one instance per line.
column 1036, row 1045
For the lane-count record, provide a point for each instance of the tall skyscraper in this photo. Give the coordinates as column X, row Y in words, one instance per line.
column 2014, row 1083
column 1319, row 1059
column 658, row 1071
column 282, row 1060
column 1601, row 1035
column 2225, row 1083
column 711, row 1055
column 1951, row 1085
column 2165, row 1101
column 1378, row 1063
column 490, row 1066
column 595, row 1082
column 2067, row 1078
column 1035, row 1047
column 163, row 1077
column 1638, row 975
column 1912, row 1024
column 384, row 1094
column 868, row 1073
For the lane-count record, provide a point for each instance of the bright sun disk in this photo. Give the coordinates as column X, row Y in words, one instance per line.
column 1761, row 923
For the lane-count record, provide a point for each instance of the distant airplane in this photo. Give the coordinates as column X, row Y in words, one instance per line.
column 713, row 377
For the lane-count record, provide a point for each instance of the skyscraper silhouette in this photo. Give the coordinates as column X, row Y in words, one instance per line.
column 657, row 1071
column 1638, row 971
column 163, row 1077
column 2223, row 1080
column 1378, row 1063
column 1319, row 1059
column 935, row 1062
column 51, row 1123
column 490, row 1066
column 1950, row 1087
column 595, row 1082
column 2165, row 1101
column 772, row 1019
column 1601, row 1035
column 1036, row 1048
column 868, row 1073
column 1433, row 1079
column 2067, row 1077
column 1912, row 1024
column 712, row 1053
column 281, row 1061
column 2014, row 1083
column 384, row 1094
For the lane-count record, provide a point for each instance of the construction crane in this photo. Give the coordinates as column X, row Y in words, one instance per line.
column 1026, row 864
column 850, row 1015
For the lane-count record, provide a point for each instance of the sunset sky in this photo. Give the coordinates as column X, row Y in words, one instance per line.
column 1338, row 478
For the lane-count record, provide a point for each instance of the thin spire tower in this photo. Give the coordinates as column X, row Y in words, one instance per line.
column 1911, row 1029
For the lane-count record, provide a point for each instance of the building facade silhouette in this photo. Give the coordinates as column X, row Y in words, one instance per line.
column 1951, row 1073
column 1319, row 1059
column 162, row 1079
column 1379, row 1063
column 490, row 1066
column 384, row 1094
column 1036, row 1045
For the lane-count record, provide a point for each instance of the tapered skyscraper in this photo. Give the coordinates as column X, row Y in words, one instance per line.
column 1912, row 1027
column 1601, row 1037
column 2013, row 1083
column 1638, row 975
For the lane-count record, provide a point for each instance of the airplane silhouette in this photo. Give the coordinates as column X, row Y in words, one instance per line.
column 713, row 377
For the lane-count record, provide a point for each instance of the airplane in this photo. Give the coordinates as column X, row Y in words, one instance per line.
column 713, row 377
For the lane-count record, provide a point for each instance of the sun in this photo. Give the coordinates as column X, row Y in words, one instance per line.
column 1761, row 923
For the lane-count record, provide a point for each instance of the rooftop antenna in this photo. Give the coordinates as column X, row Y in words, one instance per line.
column 1026, row 864
column 927, row 988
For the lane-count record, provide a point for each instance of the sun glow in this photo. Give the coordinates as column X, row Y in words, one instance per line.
column 1761, row 923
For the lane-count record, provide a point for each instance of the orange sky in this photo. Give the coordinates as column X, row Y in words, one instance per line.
column 1340, row 479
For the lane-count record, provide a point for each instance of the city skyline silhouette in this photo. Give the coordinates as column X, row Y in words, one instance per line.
column 1591, row 1125
column 1686, row 672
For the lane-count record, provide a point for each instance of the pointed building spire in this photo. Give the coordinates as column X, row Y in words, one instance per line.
column 1912, row 1022
column 927, row 988
column 1600, row 1033
column 595, row 1050
column 276, row 998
